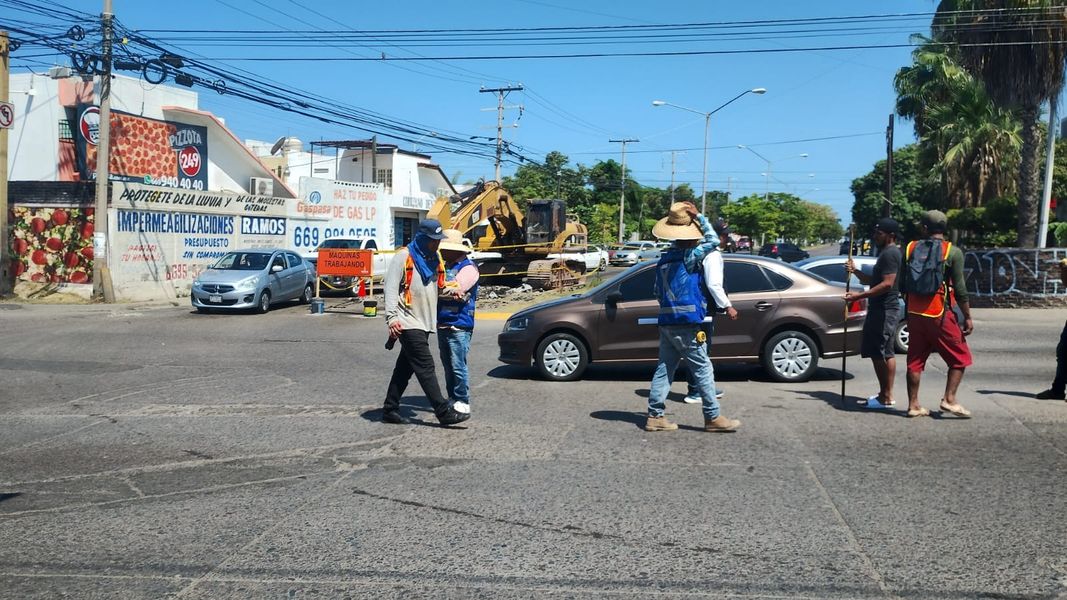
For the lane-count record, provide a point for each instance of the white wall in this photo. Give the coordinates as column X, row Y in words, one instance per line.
column 33, row 141
column 144, row 99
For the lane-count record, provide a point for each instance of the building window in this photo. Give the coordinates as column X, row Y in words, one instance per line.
column 385, row 177
column 64, row 131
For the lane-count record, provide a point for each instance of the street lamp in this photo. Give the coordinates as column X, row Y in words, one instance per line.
column 767, row 175
column 707, row 122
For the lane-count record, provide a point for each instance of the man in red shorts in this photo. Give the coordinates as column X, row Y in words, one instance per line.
column 939, row 315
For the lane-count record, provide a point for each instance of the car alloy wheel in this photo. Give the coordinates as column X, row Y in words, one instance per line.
column 900, row 340
column 305, row 298
column 561, row 357
column 264, row 302
column 790, row 356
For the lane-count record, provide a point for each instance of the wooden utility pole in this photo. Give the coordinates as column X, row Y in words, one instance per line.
column 101, row 274
column 501, row 93
column 5, row 243
column 622, row 186
column 887, row 205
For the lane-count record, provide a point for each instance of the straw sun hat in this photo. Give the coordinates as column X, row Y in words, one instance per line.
column 677, row 225
column 454, row 240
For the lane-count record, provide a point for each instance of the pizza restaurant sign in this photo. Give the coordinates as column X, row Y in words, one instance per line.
column 149, row 151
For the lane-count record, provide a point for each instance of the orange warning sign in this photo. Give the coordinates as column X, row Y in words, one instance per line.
column 352, row 263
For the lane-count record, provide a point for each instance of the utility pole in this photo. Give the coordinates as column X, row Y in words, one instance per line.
column 501, row 93
column 622, row 185
column 101, row 273
column 5, row 244
column 673, row 152
column 886, row 206
column 1046, row 193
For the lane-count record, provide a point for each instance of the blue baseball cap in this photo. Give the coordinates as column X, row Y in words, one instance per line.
column 432, row 229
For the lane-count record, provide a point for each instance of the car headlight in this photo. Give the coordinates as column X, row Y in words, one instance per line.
column 245, row 284
column 517, row 324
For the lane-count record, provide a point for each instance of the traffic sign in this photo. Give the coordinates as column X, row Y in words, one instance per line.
column 7, row 115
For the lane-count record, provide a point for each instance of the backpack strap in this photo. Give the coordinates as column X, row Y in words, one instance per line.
column 409, row 272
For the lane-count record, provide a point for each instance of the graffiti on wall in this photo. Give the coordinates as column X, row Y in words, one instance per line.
column 1006, row 271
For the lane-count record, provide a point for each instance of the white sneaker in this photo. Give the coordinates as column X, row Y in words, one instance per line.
column 696, row 399
column 461, row 407
column 875, row 398
column 874, row 404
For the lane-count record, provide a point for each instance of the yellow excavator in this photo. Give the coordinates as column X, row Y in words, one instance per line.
column 511, row 245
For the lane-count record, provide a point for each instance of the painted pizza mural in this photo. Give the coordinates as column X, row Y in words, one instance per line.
column 52, row 244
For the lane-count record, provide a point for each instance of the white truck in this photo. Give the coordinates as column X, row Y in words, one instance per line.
column 341, row 283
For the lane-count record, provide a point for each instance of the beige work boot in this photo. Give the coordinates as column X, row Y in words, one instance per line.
column 659, row 424
column 721, row 424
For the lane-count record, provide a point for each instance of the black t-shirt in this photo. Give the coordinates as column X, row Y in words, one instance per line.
column 888, row 262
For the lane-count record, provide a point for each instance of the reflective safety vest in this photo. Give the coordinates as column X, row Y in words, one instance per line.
column 930, row 306
column 409, row 272
column 681, row 301
column 457, row 312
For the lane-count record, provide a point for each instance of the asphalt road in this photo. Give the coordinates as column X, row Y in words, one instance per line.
column 154, row 452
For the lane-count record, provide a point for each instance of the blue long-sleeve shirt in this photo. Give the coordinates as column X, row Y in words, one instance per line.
column 694, row 257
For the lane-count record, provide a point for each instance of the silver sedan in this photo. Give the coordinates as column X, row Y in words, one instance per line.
column 253, row 279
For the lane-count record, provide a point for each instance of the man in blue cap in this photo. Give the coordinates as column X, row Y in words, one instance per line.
column 412, row 282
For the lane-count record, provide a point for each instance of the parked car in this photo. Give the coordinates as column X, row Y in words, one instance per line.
column 594, row 257
column 253, row 278
column 783, row 251
column 379, row 262
column 833, row 269
column 789, row 319
column 630, row 253
column 744, row 244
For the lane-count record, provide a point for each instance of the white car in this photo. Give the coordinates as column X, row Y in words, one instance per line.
column 632, row 253
column 832, row 268
column 594, row 257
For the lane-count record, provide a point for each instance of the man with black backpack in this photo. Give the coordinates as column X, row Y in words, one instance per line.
column 939, row 315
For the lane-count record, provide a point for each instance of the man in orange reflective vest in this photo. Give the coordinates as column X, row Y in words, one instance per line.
column 933, row 322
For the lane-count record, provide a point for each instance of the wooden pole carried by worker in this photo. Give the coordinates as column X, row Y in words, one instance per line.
column 844, row 336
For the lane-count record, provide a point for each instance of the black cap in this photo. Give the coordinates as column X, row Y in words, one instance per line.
column 432, row 229
column 887, row 225
column 935, row 221
column 721, row 227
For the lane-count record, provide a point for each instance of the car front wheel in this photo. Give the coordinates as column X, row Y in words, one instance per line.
column 264, row 302
column 305, row 298
column 900, row 339
column 561, row 357
column 790, row 356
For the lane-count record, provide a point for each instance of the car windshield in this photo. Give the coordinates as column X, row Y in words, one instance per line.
column 342, row 244
column 242, row 261
column 632, row 246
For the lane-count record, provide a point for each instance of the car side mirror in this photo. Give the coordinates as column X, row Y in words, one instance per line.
column 613, row 298
column 275, row 268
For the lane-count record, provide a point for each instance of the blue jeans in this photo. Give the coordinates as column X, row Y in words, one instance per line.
column 677, row 343
column 690, row 379
column 454, row 344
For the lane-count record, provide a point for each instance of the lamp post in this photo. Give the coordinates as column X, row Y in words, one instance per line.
column 767, row 175
column 707, row 123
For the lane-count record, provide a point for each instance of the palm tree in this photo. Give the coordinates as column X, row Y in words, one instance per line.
column 1018, row 49
column 966, row 143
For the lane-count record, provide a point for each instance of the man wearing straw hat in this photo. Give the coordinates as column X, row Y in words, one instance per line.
column 679, row 288
column 455, row 317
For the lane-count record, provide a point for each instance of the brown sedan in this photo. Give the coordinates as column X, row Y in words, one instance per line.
column 788, row 319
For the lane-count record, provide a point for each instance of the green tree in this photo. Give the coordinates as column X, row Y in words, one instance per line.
column 1018, row 49
column 753, row 216
column 913, row 192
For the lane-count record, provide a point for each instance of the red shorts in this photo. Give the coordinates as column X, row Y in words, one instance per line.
column 927, row 334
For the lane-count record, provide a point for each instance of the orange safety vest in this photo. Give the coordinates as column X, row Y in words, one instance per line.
column 930, row 306
column 409, row 272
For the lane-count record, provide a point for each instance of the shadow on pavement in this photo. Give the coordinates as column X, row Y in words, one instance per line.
column 725, row 372
column 9, row 495
column 1007, row 393
column 411, row 412
column 852, row 403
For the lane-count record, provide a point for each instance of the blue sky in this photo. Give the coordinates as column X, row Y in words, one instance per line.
column 575, row 105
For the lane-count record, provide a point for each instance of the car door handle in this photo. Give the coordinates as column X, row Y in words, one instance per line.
column 763, row 305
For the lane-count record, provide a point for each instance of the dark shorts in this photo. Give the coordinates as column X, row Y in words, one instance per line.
column 879, row 333
column 934, row 334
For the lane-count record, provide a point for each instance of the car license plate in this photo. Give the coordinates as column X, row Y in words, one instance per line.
column 215, row 299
